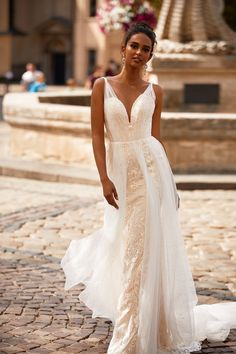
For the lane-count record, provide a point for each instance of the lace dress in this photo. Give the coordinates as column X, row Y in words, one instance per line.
column 135, row 267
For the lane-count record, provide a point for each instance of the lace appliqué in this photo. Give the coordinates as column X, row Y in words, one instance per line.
column 195, row 346
column 126, row 327
column 152, row 168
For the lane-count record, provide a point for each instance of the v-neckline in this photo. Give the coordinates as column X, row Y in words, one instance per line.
column 126, row 111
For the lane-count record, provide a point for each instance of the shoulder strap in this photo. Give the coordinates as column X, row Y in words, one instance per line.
column 152, row 91
column 107, row 89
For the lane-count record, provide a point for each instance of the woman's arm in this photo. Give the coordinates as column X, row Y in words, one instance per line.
column 98, row 141
column 97, row 127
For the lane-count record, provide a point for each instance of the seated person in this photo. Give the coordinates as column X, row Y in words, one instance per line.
column 29, row 76
column 39, row 84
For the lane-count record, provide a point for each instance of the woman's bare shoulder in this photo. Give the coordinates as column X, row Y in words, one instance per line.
column 113, row 77
column 98, row 85
column 158, row 90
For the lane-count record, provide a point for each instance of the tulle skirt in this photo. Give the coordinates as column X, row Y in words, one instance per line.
column 135, row 267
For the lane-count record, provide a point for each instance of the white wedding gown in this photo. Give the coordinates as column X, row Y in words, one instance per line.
column 135, row 267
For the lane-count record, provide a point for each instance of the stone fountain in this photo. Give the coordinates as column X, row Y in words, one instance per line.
column 195, row 63
column 45, row 127
column 196, row 57
column 50, row 126
column 196, row 66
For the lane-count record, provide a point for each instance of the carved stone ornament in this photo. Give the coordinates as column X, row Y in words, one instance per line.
column 195, row 26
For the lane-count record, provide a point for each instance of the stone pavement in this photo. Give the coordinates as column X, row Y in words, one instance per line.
column 38, row 220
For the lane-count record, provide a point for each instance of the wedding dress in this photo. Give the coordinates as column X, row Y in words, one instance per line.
column 135, row 268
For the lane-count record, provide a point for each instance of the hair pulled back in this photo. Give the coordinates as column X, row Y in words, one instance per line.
column 140, row 27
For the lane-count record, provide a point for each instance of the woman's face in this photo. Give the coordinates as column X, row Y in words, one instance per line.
column 138, row 50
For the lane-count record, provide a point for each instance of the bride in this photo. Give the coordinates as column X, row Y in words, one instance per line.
column 135, row 268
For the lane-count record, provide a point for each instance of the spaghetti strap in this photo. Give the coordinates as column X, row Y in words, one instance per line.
column 152, row 91
column 107, row 89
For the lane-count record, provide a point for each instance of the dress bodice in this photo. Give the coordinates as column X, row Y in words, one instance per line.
column 119, row 126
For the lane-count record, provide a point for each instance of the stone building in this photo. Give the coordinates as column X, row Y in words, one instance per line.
column 61, row 37
column 64, row 40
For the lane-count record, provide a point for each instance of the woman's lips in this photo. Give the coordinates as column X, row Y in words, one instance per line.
column 137, row 60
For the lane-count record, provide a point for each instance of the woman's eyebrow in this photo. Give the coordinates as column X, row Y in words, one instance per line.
column 145, row 45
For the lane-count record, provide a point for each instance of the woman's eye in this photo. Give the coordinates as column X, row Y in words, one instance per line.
column 134, row 45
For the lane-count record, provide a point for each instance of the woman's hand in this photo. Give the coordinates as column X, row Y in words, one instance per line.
column 109, row 192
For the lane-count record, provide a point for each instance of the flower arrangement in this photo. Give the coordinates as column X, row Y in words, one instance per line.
column 117, row 14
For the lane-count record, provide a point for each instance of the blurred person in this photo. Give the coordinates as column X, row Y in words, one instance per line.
column 39, row 85
column 71, row 84
column 29, row 76
column 118, row 68
column 97, row 73
column 112, row 68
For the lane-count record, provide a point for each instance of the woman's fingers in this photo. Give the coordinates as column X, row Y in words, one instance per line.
column 110, row 193
column 110, row 199
column 115, row 193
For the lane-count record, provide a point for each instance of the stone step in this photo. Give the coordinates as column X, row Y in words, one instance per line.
column 205, row 181
column 53, row 172
column 50, row 172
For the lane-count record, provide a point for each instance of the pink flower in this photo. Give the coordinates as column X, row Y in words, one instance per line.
column 126, row 2
column 147, row 17
column 114, row 14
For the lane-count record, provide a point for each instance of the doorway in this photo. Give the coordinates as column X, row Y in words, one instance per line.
column 58, row 68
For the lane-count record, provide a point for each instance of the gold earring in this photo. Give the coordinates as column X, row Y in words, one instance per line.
column 123, row 60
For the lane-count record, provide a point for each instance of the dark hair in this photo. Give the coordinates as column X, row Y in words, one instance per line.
column 140, row 27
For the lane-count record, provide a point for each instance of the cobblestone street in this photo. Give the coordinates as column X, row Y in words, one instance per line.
column 38, row 220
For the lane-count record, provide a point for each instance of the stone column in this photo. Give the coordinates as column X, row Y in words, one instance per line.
column 79, row 39
column 87, row 35
column 5, row 38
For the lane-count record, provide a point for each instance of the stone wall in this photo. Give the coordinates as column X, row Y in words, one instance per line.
column 200, row 142
column 175, row 71
column 195, row 142
column 48, row 131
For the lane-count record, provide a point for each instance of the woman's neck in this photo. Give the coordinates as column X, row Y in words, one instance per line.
column 131, row 76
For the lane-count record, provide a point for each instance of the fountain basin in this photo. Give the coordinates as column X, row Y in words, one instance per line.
column 42, row 129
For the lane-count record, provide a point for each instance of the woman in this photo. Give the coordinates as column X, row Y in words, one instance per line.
column 135, row 267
